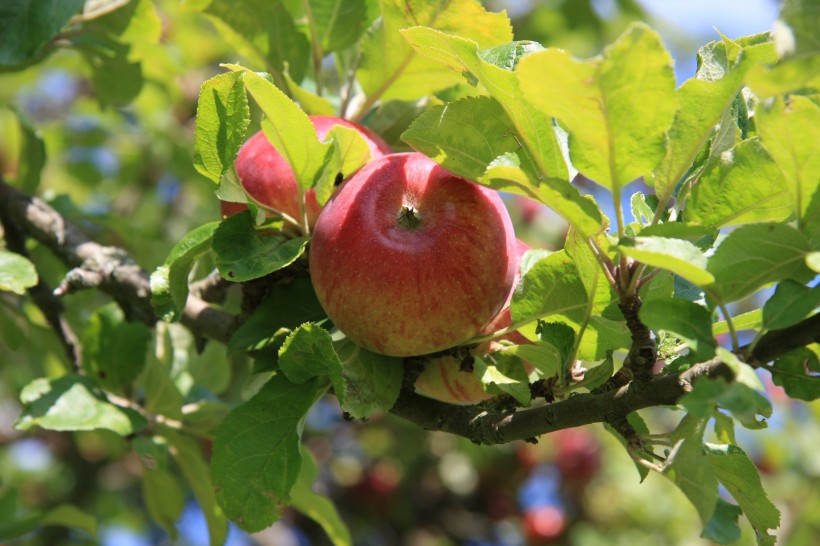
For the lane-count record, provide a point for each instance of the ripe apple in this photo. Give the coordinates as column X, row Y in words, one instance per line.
column 544, row 524
column 410, row 259
column 444, row 380
column 269, row 179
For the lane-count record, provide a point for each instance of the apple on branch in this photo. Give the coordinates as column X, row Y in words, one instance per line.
column 409, row 259
column 269, row 179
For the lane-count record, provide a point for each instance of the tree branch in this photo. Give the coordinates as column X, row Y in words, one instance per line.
column 108, row 268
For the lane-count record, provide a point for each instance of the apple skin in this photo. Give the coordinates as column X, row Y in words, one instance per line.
column 443, row 379
column 404, row 282
column 268, row 177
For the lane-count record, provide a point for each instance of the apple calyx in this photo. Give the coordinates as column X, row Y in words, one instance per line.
column 409, row 217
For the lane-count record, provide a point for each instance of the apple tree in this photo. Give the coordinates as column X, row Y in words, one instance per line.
column 679, row 287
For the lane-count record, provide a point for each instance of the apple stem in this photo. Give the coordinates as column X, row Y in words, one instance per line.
column 408, row 217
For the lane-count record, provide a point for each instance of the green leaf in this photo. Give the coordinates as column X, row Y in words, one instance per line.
column 222, row 117
column 336, row 24
column 189, row 458
column 390, row 68
column 544, row 356
column 162, row 396
column 751, row 320
column 739, row 475
column 467, row 135
column 287, row 128
column 552, row 286
column 318, row 507
column 372, row 381
column 743, row 187
column 790, row 303
column 243, row 253
column 798, row 372
column 530, row 128
column 71, row 402
column 506, row 56
column 506, row 374
column 169, row 282
column 116, row 76
column 32, row 157
column 755, row 255
column 789, row 132
column 284, row 308
column 308, row 353
column 16, row 272
column 788, row 75
column 689, row 468
column 263, row 32
column 311, row 103
column 676, row 255
column 813, row 261
column 689, row 321
column 722, row 527
column 114, row 350
column 640, row 427
column 163, row 497
column 136, row 22
column 350, row 153
column 256, row 458
column 616, row 108
column 28, row 25
column 597, row 376
column 14, row 522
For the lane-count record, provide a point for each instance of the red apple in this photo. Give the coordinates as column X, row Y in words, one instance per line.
column 269, row 179
column 409, row 259
column 544, row 524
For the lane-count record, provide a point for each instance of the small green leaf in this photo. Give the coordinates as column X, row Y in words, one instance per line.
column 722, row 527
column 790, row 303
column 285, row 307
column 552, row 286
column 163, row 497
column 72, row 402
column 617, row 108
column 28, row 25
column 755, row 255
column 336, row 24
column 676, row 255
column 506, row 374
column 16, row 272
column 544, row 356
column 114, row 350
column 350, row 153
column 372, row 381
column 689, row 321
column 188, row 455
column 116, row 77
column 243, row 253
column 308, row 353
column 739, row 475
column 311, row 103
column 751, row 320
column 222, row 117
column 318, row 507
column 256, row 458
column 743, row 187
column 558, row 335
column 798, row 372
column 162, row 396
column 169, row 283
